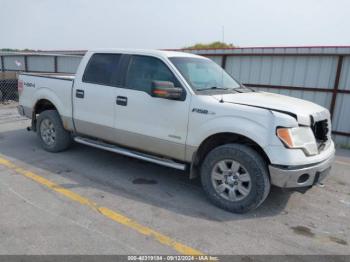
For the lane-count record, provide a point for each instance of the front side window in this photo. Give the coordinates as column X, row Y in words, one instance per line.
column 203, row 74
column 143, row 70
column 102, row 69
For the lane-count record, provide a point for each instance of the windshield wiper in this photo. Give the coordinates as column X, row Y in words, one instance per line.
column 246, row 87
column 213, row 88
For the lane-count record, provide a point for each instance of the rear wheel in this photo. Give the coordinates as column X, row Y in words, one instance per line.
column 52, row 135
column 235, row 178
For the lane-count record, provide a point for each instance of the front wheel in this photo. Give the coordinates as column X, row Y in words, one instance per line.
column 52, row 135
column 235, row 178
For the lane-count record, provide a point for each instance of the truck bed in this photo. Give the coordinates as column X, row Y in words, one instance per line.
column 56, row 88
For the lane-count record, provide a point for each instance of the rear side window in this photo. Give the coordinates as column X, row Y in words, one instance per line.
column 143, row 70
column 102, row 69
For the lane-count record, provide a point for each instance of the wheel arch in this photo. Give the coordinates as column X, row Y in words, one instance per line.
column 41, row 105
column 219, row 139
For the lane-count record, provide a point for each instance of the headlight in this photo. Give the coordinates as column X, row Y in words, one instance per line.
column 299, row 137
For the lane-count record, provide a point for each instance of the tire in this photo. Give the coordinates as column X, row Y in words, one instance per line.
column 235, row 178
column 60, row 138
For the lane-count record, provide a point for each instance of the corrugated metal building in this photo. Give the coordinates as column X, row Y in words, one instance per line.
column 318, row 74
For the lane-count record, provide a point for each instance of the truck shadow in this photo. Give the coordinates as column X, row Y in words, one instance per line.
column 114, row 175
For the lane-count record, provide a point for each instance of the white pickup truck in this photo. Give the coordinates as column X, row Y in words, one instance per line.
column 183, row 111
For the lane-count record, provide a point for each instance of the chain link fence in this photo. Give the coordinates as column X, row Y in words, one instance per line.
column 8, row 87
column 11, row 63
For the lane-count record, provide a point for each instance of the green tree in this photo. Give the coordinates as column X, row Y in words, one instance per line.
column 216, row 44
column 16, row 50
column 9, row 50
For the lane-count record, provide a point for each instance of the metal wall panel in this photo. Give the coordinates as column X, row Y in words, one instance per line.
column 41, row 63
column 342, row 140
column 344, row 82
column 14, row 63
column 341, row 119
column 323, row 99
column 302, row 71
column 216, row 59
column 68, row 64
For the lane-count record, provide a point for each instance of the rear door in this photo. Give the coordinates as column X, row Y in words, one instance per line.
column 148, row 123
column 93, row 97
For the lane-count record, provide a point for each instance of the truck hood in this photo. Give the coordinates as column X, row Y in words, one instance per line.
column 300, row 109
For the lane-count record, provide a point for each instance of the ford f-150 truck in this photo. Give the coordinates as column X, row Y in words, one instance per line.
column 183, row 111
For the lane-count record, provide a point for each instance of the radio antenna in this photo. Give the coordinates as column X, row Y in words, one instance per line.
column 222, row 72
column 223, row 34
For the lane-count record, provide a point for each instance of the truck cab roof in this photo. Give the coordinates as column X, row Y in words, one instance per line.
column 152, row 52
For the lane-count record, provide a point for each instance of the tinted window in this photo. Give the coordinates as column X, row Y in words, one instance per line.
column 102, row 69
column 143, row 70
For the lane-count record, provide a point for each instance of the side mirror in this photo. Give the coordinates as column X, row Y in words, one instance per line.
column 167, row 90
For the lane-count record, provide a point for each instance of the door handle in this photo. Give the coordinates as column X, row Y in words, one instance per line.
column 122, row 100
column 79, row 93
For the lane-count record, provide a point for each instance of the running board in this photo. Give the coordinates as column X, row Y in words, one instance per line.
column 130, row 153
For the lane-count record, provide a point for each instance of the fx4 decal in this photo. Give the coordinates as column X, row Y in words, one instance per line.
column 27, row 84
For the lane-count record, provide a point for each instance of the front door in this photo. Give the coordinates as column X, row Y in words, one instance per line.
column 148, row 123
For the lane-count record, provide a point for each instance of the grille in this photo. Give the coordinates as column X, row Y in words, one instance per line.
column 321, row 129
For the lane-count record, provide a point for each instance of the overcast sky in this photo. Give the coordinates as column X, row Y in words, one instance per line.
column 86, row 24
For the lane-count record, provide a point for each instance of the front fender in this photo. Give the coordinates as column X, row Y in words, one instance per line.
column 256, row 131
column 259, row 132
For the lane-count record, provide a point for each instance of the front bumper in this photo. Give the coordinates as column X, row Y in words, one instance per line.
column 296, row 176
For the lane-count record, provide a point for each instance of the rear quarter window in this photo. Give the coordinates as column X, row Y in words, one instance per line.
column 102, row 69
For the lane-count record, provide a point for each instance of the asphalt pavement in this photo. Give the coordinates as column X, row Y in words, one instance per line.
column 89, row 201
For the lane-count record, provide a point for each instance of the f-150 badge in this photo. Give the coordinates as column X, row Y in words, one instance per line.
column 202, row 111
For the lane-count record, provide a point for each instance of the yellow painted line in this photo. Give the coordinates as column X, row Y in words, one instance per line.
column 342, row 163
column 113, row 215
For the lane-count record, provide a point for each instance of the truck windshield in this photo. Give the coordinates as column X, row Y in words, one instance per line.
column 203, row 74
